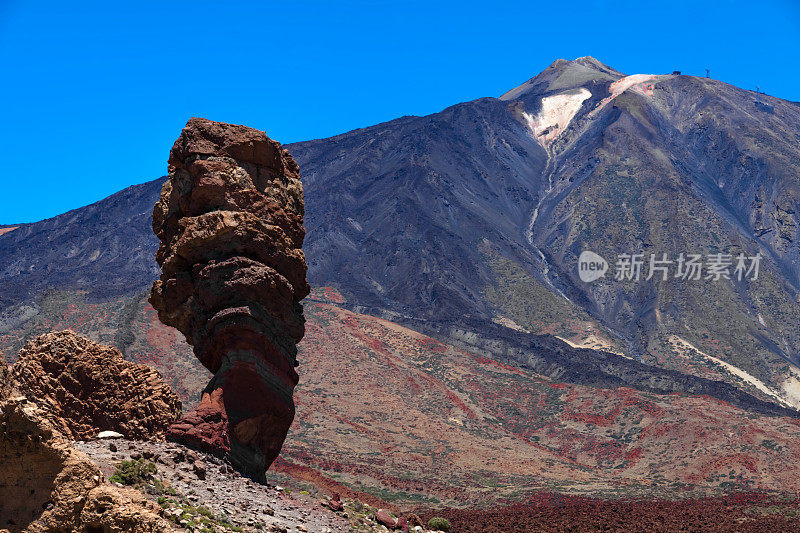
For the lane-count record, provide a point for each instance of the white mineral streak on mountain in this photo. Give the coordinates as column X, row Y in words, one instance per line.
column 640, row 83
column 556, row 113
column 682, row 345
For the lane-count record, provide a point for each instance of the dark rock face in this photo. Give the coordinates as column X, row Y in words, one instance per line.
column 83, row 388
column 230, row 222
column 105, row 248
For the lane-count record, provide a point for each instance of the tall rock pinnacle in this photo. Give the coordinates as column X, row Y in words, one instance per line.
column 230, row 222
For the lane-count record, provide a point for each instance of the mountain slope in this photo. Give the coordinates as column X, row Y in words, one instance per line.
column 456, row 214
column 476, row 216
column 395, row 210
column 106, row 248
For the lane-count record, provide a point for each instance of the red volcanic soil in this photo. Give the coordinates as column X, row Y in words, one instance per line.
column 741, row 513
column 6, row 230
column 418, row 423
column 304, row 473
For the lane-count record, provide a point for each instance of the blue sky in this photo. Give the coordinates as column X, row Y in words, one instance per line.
column 94, row 94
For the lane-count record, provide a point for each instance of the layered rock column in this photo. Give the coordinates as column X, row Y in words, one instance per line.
column 230, row 222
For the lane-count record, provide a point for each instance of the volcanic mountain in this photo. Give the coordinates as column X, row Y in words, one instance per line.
column 464, row 229
column 480, row 213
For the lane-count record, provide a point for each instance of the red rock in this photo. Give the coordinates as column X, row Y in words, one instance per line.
column 384, row 518
column 335, row 503
column 402, row 524
column 230, row 222
column 84, row 388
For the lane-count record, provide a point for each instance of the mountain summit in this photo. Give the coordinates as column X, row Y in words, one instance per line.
column 563, row 74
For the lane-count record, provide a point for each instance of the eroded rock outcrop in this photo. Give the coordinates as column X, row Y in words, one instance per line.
column 6, row 383
column 83, row 388
column 46, row 485
column 230, row 222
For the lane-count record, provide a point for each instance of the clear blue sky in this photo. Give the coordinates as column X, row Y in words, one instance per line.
column 94, row 94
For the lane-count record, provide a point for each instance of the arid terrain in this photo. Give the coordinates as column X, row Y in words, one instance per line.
column 419, row 423
column 451, row 360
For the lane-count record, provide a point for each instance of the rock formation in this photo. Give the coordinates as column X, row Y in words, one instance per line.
column 230, row 222
column 6, row 383
column 83, row 388
column 46, row 485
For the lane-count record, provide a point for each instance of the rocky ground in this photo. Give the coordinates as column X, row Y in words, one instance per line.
column 200, row 492
column 427, row 424
column 201, row 480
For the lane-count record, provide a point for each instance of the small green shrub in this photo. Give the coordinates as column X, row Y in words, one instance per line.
column 133, row 472
column 161, row 488
column 437, row 523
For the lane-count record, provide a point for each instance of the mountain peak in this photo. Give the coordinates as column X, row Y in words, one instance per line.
column 593, row 63
column 565, row 74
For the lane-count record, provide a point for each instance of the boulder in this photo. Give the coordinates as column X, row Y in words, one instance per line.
column 384, row 518
column 46, row 485
column 335, row 503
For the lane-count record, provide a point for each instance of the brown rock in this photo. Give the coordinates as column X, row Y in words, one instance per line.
column 6, row 382
column 110, row 508
column 46, row 485
column 199, row 470
column 230, row 222
column 84, row 388
column 414, row 520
